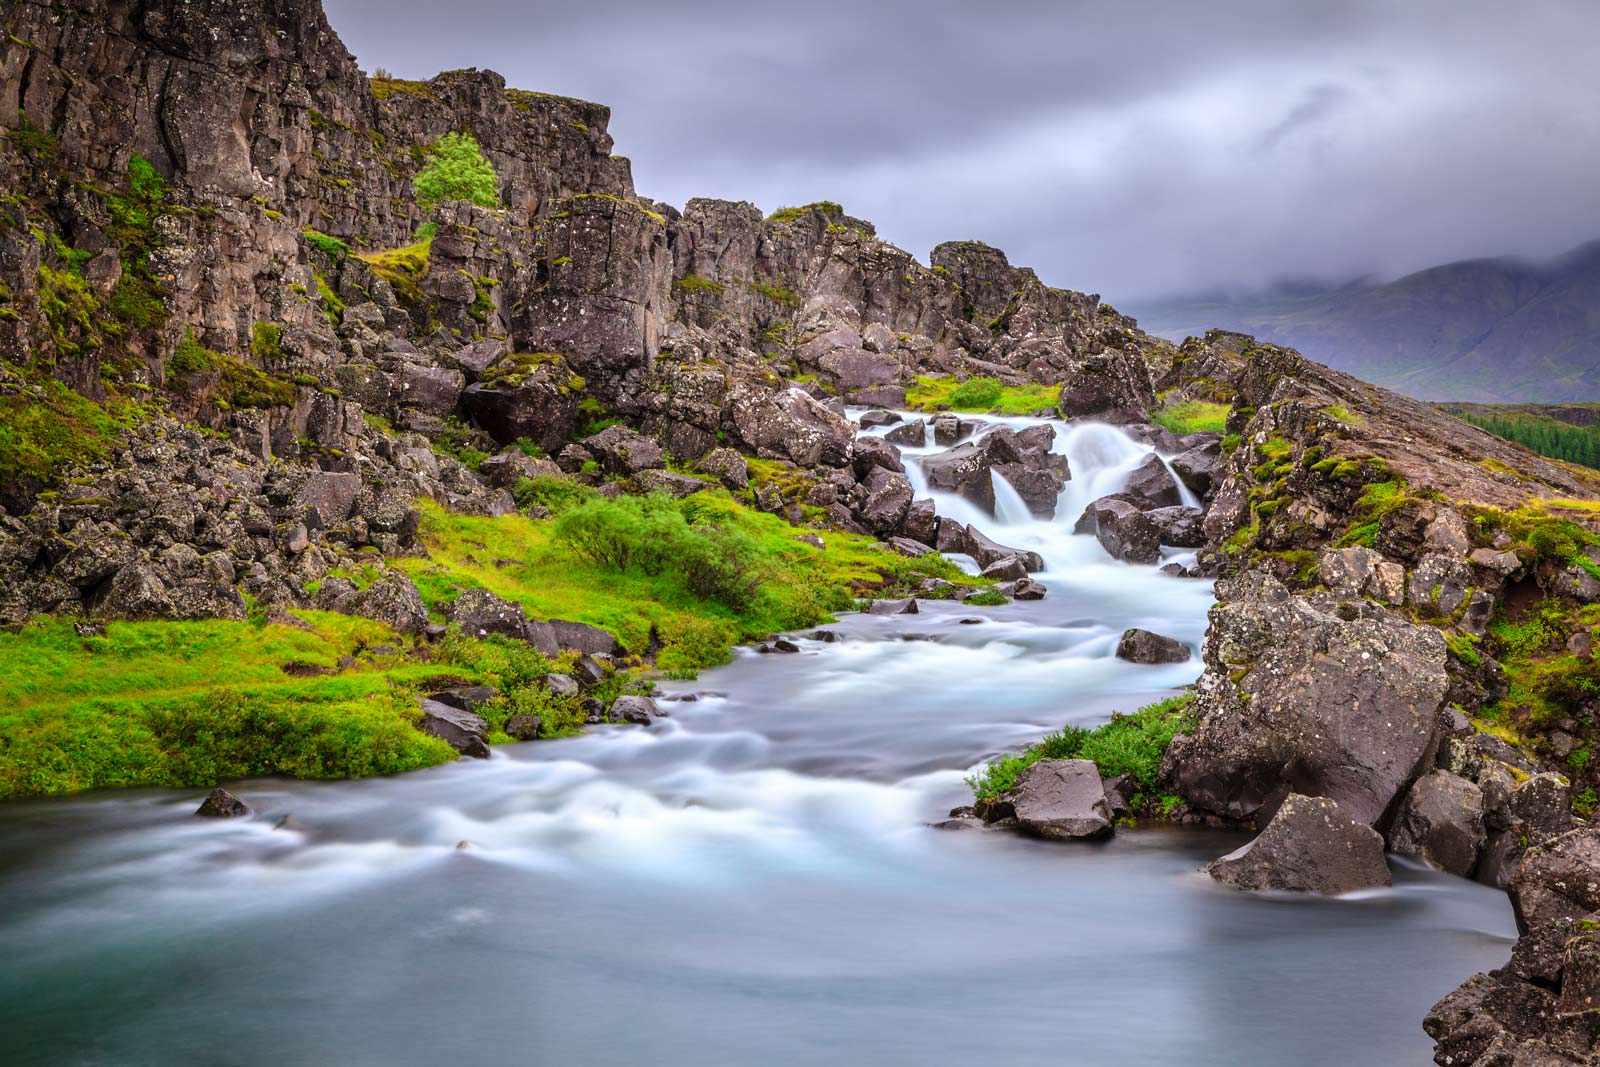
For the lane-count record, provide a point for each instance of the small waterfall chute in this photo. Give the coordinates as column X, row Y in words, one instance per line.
column 1009, row 507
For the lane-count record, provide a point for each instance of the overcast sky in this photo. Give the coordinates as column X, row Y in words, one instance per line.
column 1127, row 149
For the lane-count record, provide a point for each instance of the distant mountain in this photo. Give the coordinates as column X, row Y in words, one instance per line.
column 1489, row 330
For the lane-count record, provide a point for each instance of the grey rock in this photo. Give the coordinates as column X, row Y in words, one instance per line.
column 1310, row 846
column 1056, row 799
column 1441, row 822
column 1143, row 646
column 461, row 730
column 221, row 804
column 636, row 710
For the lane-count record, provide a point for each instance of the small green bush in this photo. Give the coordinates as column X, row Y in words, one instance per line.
column 457, row 170
column 552, row 491
column 976, row 394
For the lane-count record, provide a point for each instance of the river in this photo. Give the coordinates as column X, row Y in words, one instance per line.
column 751, row 881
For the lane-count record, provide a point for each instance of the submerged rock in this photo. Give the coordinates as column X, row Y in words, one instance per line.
column 894, row 607
column 1310, row 846
column 221, row 804
column 1057, row 799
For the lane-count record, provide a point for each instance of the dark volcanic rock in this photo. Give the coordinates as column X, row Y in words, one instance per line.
column 1441, row 821
column 1057, row 799
column 1152, row 485
column 636, row 710
column 893, row 607
column 1297, row 699
column 524, row 727
column 1310, row 846
column 462, row 730
column 1142, row 646
column 581, row 637
column 1181, row 527
column 1124, row 531
column 221, row 804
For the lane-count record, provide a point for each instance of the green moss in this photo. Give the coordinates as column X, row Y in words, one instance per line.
column 610, row 573
column 31, row 140
column 776, row 293
column 693, row 283
column 1345, row 415
column 51, row 428
column 403, row 268
column 384, row 87
column 266, row 343
column 787, row 215
column 327, row 245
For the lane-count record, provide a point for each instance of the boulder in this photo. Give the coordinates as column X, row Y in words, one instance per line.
column 524, row 727
column 625, row 452
column 1009, row 569
column 893, row 607
column 461, row 730
column 466, row 697
column 581, row 637
column 1559, row 879
column 1022, row 589
column 480, row 613
column 789, row 424
column 889, row 497
column 726, row 466
column 952, row 429
column 1296, row 698
column 1058, row 799
column 1310, row 846
column 392, row 599
column 1181, row 527
column 562, row 685
column 1022, row 459
column 1142, row 646
column 1439, row 584
column 1151, row 485
column 636, row 710
column 1543, row 806
column 541, row 407
column 874, row 452
column 1124, row 531
column 913, row 434
column 979, row 547
column 871, row 420
column 921, row 522
column 1197, row 467
column 1347, row 572
column 221, row 804
column 1441, row 822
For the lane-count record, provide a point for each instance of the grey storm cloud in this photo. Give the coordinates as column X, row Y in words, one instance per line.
column 1128, row 149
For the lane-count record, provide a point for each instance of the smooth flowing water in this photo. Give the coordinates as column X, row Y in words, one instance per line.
column 750, row 881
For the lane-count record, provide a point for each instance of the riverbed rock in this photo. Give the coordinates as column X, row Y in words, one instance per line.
column 980, row 547
column 1181, row 527
column 461, row 730
column 1558, row 880
column 893, row 607
column 585, row 639
column 1023, row 589
column 1441, row 822
column 1152, row 485
column 1310, row 846
column 1058, row 799
column 1197, row 466
column 1296, row 698
column 635, row 710
column 221, row 804
column 1122, row 529
column 524, row 727
column 1144, row 646
column 1008, row 569
column 913, row 434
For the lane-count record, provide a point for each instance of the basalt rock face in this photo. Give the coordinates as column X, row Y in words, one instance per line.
column 1543, row 1007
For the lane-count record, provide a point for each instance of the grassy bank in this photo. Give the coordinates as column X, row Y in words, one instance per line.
column 685, row 579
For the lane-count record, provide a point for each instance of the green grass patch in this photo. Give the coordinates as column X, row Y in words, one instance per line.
column 403, row 268
column 1192, row 416
column 194, row 703
column 43, row 434
column 981, row 395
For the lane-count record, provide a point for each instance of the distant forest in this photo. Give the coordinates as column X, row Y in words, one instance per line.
column 1546, row 436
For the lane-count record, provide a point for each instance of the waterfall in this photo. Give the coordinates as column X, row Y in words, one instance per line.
column 1009, row 507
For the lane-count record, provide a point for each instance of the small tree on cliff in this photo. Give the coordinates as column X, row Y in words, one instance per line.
column 457, row 170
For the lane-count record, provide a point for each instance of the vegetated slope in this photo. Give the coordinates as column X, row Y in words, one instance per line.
column 1487, row 330
column 1566, row 432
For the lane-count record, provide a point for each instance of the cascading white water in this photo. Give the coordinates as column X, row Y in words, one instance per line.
column 760, row 859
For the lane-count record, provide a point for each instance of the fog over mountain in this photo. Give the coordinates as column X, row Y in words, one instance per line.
column 1134, row 150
